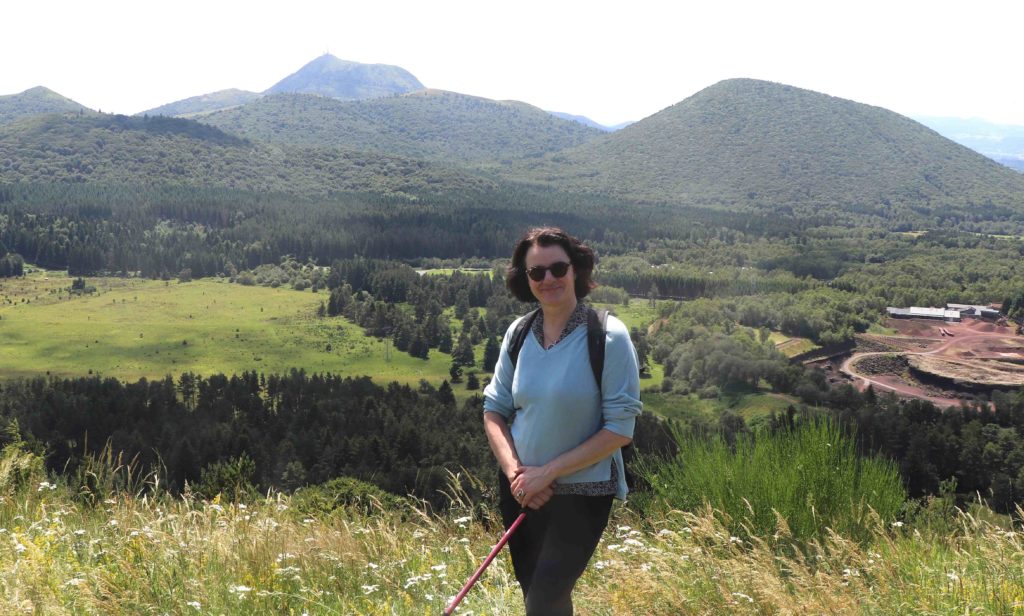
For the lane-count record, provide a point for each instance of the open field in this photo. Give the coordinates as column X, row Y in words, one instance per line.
column 131, row 328
column 791, row 347
column 448, row 271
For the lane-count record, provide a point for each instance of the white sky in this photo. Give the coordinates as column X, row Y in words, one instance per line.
column 612, row 62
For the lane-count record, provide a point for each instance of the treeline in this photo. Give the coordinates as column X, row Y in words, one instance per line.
column 297, row 429
column 825, row 315
column 260, row 431
column 162, row 230
column 373, row 293
column 11, row 264
column 1013, row 307
column 687, row 283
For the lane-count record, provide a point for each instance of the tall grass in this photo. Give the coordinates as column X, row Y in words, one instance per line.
column 131, row 553
column 810, row 477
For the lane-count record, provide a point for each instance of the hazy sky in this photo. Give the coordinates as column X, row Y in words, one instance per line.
column 609, row 61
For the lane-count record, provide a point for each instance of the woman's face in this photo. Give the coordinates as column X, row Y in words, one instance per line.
column 551, row 292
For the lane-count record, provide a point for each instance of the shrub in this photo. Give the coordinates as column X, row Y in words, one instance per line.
column 811, row 476
column 232, row 479
column 344, row 493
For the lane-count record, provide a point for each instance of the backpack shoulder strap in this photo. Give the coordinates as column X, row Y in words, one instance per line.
column 597, row 327
column 519, row 334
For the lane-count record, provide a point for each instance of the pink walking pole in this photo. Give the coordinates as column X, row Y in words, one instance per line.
column 494, row 552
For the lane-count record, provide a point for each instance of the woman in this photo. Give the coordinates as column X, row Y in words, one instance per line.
column 560, row 458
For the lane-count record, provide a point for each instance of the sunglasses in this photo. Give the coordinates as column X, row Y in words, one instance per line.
column 538, row 272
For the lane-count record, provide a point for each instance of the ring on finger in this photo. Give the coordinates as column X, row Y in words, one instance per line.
column 520, row 494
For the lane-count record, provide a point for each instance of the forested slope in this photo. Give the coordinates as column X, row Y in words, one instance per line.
column 752, row 144
column 429, row 124
column 204, row 103
column 35, row 101
column 121, row 149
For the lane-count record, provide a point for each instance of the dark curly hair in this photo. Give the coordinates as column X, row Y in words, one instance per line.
column 580, row 255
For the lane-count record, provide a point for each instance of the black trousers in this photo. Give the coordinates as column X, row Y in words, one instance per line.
column 551, row 548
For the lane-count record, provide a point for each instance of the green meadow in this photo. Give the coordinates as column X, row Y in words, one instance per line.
column 131, row 328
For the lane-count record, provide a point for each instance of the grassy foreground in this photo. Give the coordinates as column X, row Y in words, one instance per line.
column 163, row 555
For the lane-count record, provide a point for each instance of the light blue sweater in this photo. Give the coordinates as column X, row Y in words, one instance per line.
column 554, row 401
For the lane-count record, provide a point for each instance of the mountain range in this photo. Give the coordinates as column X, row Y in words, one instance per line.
column 740, row 144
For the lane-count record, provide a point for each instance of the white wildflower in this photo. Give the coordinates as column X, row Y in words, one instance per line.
column 440, row 567
column 412, row 581
column 240, row 589
column 75, row 581
column 740, row 595
column 463, row 519
column 369, row 588
column 195, row 604
column 646, row 567
column 735, row 540
column 897, row 524
column 112, row 523
column 953, row 577
column 372, row 565
column 463, row 540
column 634, row 543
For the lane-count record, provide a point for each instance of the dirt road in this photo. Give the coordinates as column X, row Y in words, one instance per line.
column 964, row 337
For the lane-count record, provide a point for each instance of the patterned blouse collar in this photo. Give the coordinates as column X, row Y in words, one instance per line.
column 577, row 318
